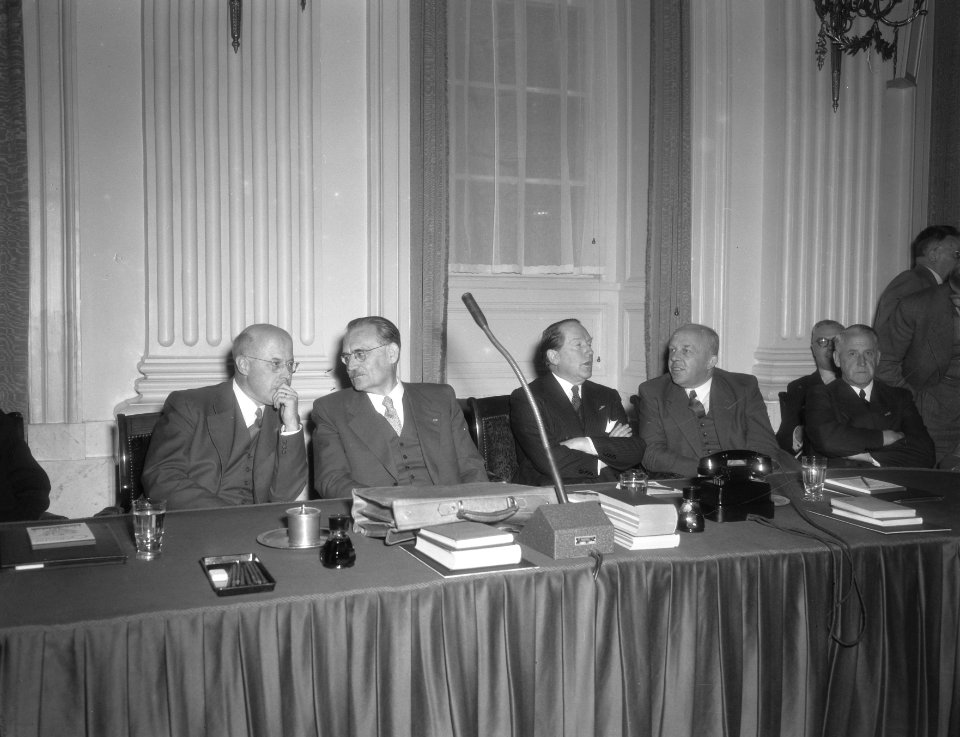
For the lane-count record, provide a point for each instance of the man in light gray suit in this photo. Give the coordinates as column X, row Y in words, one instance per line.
column 384, row 432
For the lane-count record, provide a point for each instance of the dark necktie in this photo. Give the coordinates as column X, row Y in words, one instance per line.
column 575, row 398
column 863, row 396
column 390, row 413
column 696, row 406
column 254, row 429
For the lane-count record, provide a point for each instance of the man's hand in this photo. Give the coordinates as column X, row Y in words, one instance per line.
column 891, row 436
column 285, row 401
column 620, row 430
column 584, row 445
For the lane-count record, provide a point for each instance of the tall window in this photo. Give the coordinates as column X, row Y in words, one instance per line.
column 521, row 156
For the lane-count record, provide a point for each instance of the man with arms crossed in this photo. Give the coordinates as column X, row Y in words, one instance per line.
column 696, row 409
column 384, row 432
column 239, row 442
column 860, row 421
column 585, row 422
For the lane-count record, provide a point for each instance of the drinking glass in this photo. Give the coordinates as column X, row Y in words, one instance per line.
column 814, row 472
column 148, row 517
column 634, row 481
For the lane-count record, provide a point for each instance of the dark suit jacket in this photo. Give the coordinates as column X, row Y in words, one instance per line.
column 600, row 404
column 904, row 283
column 841, row 424
column 915, row 344
column 792, row 407
column 670, row 430
column 351, row 440
column 194, row 437
column 24, row 486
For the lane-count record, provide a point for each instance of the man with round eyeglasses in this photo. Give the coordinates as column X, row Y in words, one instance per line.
column 238, row 442
column 387, row 432
column 792, row 408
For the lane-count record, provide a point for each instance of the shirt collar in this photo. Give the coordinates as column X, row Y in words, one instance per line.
column 702, row 391
column 567, row 386
column 935, row 274
column 248, row 406
column 395, row 394
column 868, row 390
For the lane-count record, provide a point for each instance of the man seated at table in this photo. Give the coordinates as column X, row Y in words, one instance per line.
column 24, row 485
column 860, row 421
column 586, row 425
column 696, row 409
column 385, row 432
column 239, row 442
column 790, row 434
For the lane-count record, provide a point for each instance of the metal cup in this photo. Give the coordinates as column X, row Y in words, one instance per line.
column 303, row 526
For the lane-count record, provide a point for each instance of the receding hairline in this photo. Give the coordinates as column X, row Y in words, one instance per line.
column 853, row 331
column 254, row 334
column 706, row 334
column 827, row 323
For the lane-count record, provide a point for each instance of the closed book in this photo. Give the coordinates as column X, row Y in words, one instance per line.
column 862, row 485
column 60, row 536
column 869, row 506
column 638, row 515
column 458, row 560
column 879, row 521
column 645, row 542
column 465, row 535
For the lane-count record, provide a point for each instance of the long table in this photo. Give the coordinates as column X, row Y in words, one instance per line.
column 729, row 634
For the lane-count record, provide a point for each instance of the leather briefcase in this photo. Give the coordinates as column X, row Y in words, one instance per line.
column 395, row 512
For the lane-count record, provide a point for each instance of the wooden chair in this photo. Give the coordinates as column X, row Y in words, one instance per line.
column 133, row 439
column 491, row 428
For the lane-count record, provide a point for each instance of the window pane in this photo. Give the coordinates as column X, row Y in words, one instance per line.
column 544, row 149
column 543, row 57
column 542, row 225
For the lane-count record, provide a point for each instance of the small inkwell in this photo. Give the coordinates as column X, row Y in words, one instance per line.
column 337, row 551
column 691, row 516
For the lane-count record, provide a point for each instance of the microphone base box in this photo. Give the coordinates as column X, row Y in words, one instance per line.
column 570, row 530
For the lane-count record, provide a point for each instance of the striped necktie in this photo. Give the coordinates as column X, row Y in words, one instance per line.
column 696, row 406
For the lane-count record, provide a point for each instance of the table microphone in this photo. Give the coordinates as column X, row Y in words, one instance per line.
column 562, row 530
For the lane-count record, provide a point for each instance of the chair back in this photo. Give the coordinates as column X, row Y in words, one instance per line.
column 18, row 424
column 133, row 439
column 491, row 423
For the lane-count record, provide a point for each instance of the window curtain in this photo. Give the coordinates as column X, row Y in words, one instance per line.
column 428, row 211
column 522, row 162
column 14, row 215
column 944, row 204
column 668, row 232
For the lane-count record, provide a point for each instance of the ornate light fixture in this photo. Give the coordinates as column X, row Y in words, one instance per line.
column 836, row 22
column 236, row 20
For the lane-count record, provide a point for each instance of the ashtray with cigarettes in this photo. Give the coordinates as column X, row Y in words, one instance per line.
column 237, row 574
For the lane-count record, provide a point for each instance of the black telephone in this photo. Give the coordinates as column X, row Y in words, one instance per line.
column 732, row 486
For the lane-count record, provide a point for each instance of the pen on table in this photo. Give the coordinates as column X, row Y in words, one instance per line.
column 866, row 482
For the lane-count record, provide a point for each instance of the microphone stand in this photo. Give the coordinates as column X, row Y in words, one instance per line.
column 474, row 309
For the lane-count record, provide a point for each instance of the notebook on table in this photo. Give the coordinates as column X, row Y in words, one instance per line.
column 35, row 546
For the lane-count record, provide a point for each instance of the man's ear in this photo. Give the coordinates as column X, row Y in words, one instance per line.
column 712, row 362
column 242, row 365
column 393, row 351
column 553, row 356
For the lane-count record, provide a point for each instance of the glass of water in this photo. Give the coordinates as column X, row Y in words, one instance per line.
column 814, row 470
column 148, row 517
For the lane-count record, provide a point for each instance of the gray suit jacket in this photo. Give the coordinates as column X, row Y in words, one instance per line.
column 903, row 284
column 670, row 430
column 351, row 440
column 194, row 438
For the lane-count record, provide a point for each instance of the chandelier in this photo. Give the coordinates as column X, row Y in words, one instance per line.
column 836, row 24
column 236, row 21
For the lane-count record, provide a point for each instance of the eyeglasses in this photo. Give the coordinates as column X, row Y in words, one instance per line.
column 276, row 364
column 359, row 355
column 823, row 342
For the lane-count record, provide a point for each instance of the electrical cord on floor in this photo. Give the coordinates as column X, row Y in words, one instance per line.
column 840, row 597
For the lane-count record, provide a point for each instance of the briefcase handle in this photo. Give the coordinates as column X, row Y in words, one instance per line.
column 496, row 516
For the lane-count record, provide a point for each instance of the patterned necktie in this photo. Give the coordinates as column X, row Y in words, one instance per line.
column 696, row 406
column 575, row 398
column 254, row 429
column 863, row 395
column 390, row 413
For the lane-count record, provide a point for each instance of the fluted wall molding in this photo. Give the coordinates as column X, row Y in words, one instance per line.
column 52, row 132
column 232, row 176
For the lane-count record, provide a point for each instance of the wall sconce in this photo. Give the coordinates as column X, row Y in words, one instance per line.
column 836, row 21
column 236, row 20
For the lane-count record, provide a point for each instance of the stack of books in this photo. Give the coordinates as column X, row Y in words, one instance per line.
column 464, row 545
column 873, row 511
column 862, row 485
column 640, row 522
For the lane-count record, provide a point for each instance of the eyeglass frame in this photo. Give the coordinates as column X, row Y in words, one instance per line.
column 359, row 355
column 276, row 364
column 822, row 342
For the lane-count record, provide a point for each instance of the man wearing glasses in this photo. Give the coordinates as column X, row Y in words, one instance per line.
column 792, row 408
column 239, row 442
column 385, row 432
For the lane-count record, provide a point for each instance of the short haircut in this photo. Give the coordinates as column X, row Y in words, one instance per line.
column 707, row 335
column 552, row 339
column 852, row 331
column 245, row 343
column 827, row 324
column 930, row 238
column 386, row 330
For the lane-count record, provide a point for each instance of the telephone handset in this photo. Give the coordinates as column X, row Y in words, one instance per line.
column 735, row 465
column 732, row 486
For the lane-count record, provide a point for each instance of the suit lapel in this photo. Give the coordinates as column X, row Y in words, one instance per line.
column 722, row 401
column 677, row 406
column 595, row 411
column 425, row 417
column 220, row 421
column 556, row 398
column 371, row 429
